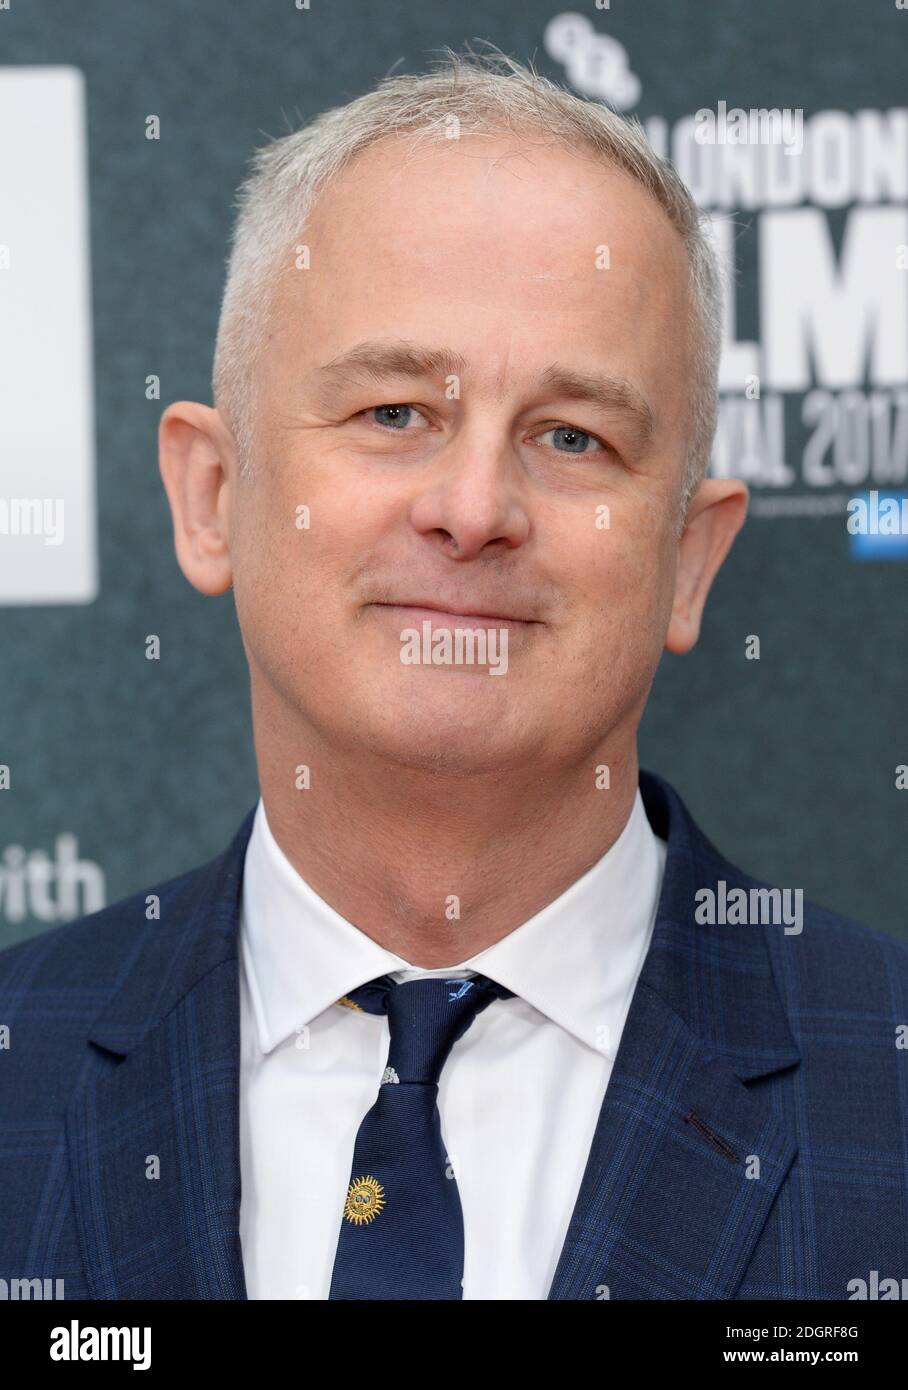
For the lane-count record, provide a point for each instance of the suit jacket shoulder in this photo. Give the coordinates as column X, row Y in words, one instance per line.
column 154, row 943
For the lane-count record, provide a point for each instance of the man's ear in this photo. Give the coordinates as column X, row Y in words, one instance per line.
column 714, row 517
column 194, row 447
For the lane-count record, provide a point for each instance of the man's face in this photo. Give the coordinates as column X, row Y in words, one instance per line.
column 477, row 482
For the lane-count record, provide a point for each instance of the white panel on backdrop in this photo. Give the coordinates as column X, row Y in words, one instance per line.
column 48, row 545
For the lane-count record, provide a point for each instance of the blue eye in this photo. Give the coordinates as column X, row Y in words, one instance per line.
column 575, row 441
column 397, row 416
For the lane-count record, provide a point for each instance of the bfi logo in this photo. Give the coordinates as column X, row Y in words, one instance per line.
column 48, row 543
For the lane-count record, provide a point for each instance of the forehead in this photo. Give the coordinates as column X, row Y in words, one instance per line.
column 509, row 250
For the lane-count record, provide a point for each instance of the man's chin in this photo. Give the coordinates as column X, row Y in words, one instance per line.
column 452, row 730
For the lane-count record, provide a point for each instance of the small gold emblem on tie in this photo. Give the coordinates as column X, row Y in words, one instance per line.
column 349, row 1004
column 365, row 1199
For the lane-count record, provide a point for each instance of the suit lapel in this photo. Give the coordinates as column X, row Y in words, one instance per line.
column 686, row 1159
column 153, row 1135
column 666, row 1208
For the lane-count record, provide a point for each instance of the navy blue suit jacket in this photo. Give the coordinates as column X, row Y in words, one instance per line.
column 753, row 1140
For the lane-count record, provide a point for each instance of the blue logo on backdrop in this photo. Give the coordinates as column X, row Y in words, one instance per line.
column 878, row 526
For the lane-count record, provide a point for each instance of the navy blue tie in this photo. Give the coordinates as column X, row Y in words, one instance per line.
column 401, row 1232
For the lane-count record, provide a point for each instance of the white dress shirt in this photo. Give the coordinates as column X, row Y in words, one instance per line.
column 519, row 1095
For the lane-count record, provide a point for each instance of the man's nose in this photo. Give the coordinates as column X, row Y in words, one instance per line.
column 475, row 499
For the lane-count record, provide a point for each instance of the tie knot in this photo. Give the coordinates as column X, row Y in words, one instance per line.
column 425, row 1019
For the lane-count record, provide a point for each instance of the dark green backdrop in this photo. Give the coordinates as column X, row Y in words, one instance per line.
column 788, row 763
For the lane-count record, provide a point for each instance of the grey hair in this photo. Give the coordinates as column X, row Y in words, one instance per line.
column 483, row 94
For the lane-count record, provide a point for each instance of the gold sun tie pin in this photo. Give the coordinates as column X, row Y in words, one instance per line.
column 365, row 1199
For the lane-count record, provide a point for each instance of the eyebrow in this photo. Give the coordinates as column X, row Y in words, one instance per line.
column 378, row 359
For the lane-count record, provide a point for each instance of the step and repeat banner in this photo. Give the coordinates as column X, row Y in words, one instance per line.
column 125, row 127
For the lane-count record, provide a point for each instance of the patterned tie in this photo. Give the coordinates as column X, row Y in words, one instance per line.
column 402, row 1228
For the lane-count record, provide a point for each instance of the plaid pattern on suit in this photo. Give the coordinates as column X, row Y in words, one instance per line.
column 753, row 1140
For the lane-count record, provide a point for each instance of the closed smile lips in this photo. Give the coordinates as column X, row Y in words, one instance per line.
column 428, row 608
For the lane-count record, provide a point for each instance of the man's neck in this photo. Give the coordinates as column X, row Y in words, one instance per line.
column 436, row 867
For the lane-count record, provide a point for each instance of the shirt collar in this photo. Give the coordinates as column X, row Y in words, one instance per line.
column 576, row 961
